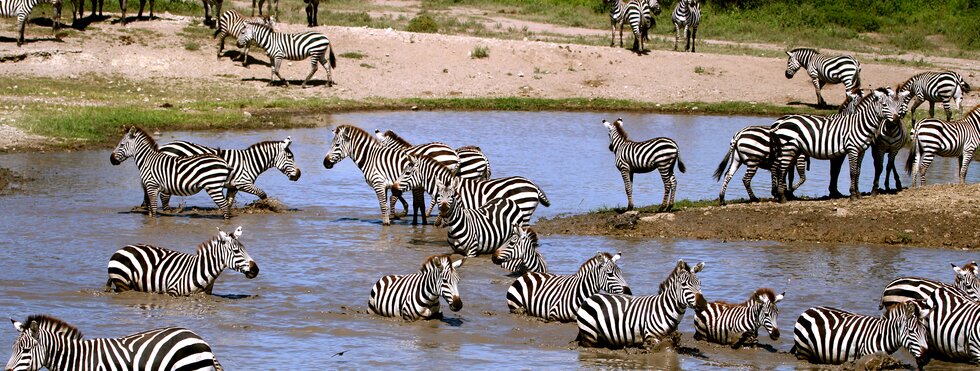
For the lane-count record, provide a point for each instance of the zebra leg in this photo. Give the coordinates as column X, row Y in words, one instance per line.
column 253, row 8
column 932, row 109
column 922, row 163
column 878, row 158
column 891, row 165
column 628, row 182
column 230, row 196
column 276, row 62
column 140, row 14
column 245, row 55
column 915, row 104
column 801, row 162
column 687, row 38
column 949, row 111
column 732, row 168
column 221, row 42
column 152, row 193
column 677, row 29
column 218, row 196
column 854, row 159
column 382, row 194
column 122, row 8
column 835, row 166
column 21, row 23
column 418, row 206
column 673, row 193
column 151, row 8
column 313, row 66
column 747, row 181
column 694, row 37
column 965, row 163
column 817, row 85
column 164, row 201
column 391, row 206
column 251, row 188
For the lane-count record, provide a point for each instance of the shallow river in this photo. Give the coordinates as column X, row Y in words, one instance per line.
column 318, row 262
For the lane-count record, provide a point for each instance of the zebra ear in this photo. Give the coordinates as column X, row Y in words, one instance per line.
column 17, row 325
column 698, row 268
column 458, row 263
column 616, row 257
column 288, row 141
column 958, row 270
column 789, row 54
column 780, row 297
column 222, row 234
column 237, row 233
column 34, row 330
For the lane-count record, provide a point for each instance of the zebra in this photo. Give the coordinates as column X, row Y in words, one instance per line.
column 380, row 165
column 22, row 9
column 738, row 324
column 473, row 163
column 832, row 336
column 312, row 8
column 935, row 87
column 890, row 140
column 954, row 326
column 555, row 297
column 211, row 7
column 233, row 23
column 161, row 173
column 687, row 16
column 416, row 296
column 900, row 290
column 479, row 230
column 638, row 16
column 154, row 269
column 931, row 137
column 268, row 11
column 427, row 173
column 750, row 146
column 48, row 342
column 122, row 7
column 617, row 17
column 246, row 164
column 632, row 157
column 824, row 69
column 967, row 279
column 832, row 137
column 294, row 47
column 438, row 151
column 617, row 320
column 521, row 254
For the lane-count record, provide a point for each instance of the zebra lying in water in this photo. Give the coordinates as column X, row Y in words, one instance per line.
column 51, row 343
column 154, row 269
column 738, row 324
column 556, row 297
column 521, row 255
column 416, row 296
column 480, row 230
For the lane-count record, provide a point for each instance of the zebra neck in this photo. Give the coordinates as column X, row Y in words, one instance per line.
column 210, row 261
column 63, row 354
column 263, row 36
column 882, row 335
column 454, row 216
column 262, row 155
column 432, row 287
column 433, row 172
column 672, row 299
column 805, row 57
column 365, row 151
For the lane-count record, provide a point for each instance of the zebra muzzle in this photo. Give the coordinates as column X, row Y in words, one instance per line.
column 295, row 176
column 789, row 75
column 253, row 270
column 456, row 305
column 113, row 160
column 327, row 163
column 774, row 334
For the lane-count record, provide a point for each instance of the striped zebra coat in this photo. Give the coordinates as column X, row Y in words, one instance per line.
column 416, row 296
column 833, row 336
column 294, row 47
column 427, row 173
column 555, row 297
column 633, row 157
column 381, row 165
column 687, row 17
column 640, row 21
column 935, row 87
column 900, row 290
column 889, row 141
column 954, row 326
column 617, row 321
column 824, row 69
column 473, row 163
column 232, row 23
column 738, row 324
column 51, row 343
column 161, row 173
column 479, row 230
column 21, row 9
column 440, row 152
column 521, row 254
column 154, row 269
column 931, row 137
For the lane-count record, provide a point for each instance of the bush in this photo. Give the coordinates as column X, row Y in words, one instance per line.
column 480, row 52
column 423, row 23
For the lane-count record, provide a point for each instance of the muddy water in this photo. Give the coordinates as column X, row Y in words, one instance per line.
column 318, row 262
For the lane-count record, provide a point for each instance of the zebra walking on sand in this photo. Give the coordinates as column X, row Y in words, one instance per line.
column 935, row 87
column 416, row 296
column 824, row 69
column 633, row 157
column 521, row 253
column 154, row 269
column 687, row 17
column 738, row 324
column 53, row 344
column 638, row 17
column 555, row 297
column 931, row 137
column 161, row 173
column 232, row 23
column 832, row 336
column 617, row 321
column 294, row 47
column 479, row 230
column 21, row 9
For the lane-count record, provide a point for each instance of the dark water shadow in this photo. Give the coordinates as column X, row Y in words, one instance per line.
column 235, row 296
column 426, row 242
column 179, row 214
column 454, row 321
column 691, row 351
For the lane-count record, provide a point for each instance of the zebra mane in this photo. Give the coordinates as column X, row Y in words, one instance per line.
column 469, row 148
column 359, row 132
column 619, row 129
column 262, row 26
column 207, row 243
column 431, row 261
column 973, row 264
column 869, row 96
column 682, row 266
column 54, row 325
column 765, row 291
column 149, row 138
column 534, row 238
column 972, row 112
column 397, row 139
column 594, row 261
column 267, row 142
column 794, row 51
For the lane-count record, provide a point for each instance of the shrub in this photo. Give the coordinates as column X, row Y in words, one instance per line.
column 422, row 23
column 480, row 52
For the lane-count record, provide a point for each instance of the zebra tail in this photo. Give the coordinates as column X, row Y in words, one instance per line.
column 911, row 159
column 680, row 164
column 775, row 146
column 543, row 199
column 108, row 285
column 217, row 30
column 724, row 164
column 217, row 365
column 333, row 59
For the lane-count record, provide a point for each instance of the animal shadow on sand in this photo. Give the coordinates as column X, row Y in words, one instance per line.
column 296, row 83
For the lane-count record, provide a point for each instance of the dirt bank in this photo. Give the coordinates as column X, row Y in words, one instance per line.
column 935, row 216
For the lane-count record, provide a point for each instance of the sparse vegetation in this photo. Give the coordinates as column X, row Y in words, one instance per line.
column 192, row 46
column 353, row 55
column 422, row 23
column 366, row 65
column 699, row 70
column 480, row 52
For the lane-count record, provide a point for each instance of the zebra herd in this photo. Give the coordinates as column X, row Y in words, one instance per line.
column 639, row 15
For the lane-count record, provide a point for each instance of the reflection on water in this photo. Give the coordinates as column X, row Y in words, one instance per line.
column 319, row 262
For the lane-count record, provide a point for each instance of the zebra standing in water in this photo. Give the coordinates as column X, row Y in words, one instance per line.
column 932, row 137
column 154, row 269
column 954, row 326
column 687, row 16
column 416, row 295
column 22, row 9
column 833, row 336
column 632, row 157
column 479, row 230
column 51, row 343
column 555, row 297
column 738, row 325
column 426, row 172
column 232, row 23
column 521, row 254
column 832, row 137
column 440, row 152
column 616, row 321
column 246, row 164
column 294, row 47
column 935, row 87
column 161, row 173
column 473, row 163
column 824, row 69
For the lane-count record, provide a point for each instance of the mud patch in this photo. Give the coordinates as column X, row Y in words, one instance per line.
column 11, row 182
column 267, row 206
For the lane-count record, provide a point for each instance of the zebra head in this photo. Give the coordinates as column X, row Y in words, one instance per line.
column 127, row 146
column 686, row 285
column 792, row 64
column 763, row 304
column 654, row 6
column 904, row 101
column 612, row 280
column 966, row 279
column 247, row 35
column 285, row 161
column 447, row 194
column 411, row 178
column 28, row 352
column 851, row 99
column 520, row 254
column 339, row 147
column 909, row 321
column 449, row 288
column 235, row 255
column 615, row 131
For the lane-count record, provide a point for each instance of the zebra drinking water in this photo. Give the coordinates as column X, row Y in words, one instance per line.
column 931, row 137
column 617, row 320
column 555, row 297
column 51, row 343
column 294, row 47
column 935, row 87
column 416, row 295
column 161, row 173
column 154, row 269
column 738, row 324
column 632, row 157
column 232, row 23
column 824, row 69
column 22, row 9
column 479, row 230
column 521, row 254
column 380, row 165
column 687, row 17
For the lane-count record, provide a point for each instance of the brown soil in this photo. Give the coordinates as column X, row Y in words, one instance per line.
column 934, row 216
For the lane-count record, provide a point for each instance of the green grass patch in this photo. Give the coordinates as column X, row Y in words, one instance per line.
column 353, row 55
column 480, row 52
column 422, row 23
column 367, row 65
